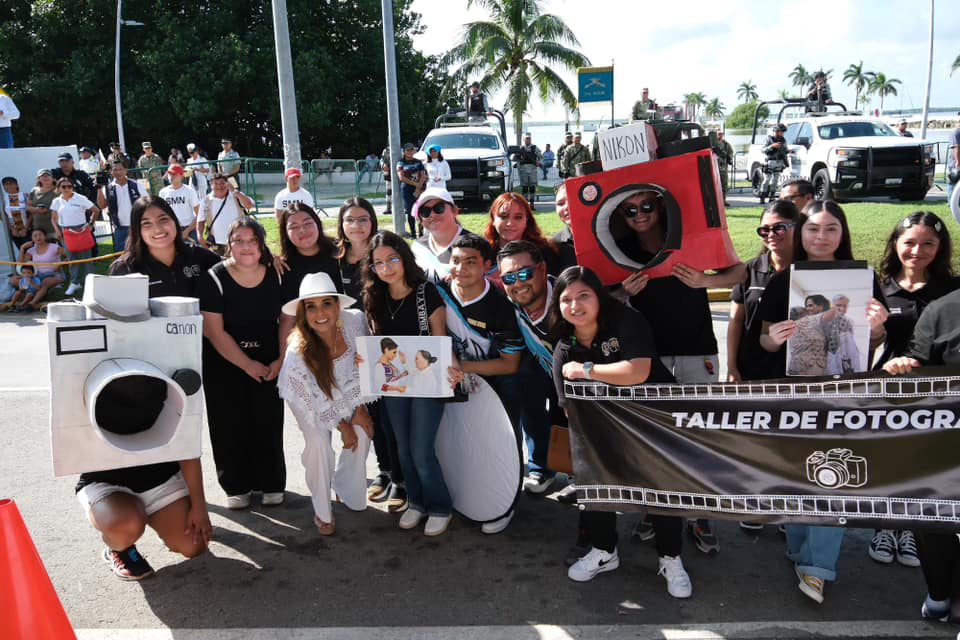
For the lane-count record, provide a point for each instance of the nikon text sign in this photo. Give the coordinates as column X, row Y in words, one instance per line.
column 624, row 146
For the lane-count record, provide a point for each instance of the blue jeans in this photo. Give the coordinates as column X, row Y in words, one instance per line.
column 78, row 272
column 120, row 237
column 815, row 549
column 415, row 422
column 6, row 137
column 539, row 393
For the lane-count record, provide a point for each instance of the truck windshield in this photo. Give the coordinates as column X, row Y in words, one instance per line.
column 463, row 141
column 854, row 130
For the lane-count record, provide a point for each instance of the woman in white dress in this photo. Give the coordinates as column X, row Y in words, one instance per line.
column 321, row 384
column 438, row 169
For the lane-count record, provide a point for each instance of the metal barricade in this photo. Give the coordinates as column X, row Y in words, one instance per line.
column 334, row 179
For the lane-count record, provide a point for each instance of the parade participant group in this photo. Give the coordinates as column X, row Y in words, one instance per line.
column 522, row 315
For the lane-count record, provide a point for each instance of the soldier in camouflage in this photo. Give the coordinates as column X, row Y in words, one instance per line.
column 528, row 160
column 574, row 155
column 724, row 153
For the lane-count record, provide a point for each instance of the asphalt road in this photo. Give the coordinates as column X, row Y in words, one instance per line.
column 269, row 575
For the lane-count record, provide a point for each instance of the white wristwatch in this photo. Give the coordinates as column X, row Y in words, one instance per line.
column 588, row 370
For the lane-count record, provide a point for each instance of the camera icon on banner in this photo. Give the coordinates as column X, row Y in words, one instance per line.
column 837, row 468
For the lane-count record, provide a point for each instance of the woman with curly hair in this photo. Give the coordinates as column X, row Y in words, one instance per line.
column 511, row 218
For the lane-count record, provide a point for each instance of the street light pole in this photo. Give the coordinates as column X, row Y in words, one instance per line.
column 116, row 80
column 926, row 96
column 288, row 95
column 393, row 113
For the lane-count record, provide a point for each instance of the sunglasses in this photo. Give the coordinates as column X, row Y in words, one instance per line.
column 631, row 210
column 426, row 212
column 776, row 229
column 522, row 275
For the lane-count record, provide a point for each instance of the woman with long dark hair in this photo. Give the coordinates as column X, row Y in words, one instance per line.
column 600, row 339
column 320, row 382
column 511, row 218
column 438, row 169
column 822, row 235
column 356, row 224
column 240, row 299
column 399, row 301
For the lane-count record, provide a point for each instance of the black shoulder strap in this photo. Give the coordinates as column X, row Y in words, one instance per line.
column 422, row 309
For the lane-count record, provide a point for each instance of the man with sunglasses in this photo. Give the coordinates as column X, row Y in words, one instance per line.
column 523, row 272
column 797, row 191
column 438, row 214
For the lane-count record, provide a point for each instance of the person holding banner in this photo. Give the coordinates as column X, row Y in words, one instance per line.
column 936, row 342
column 822, row 235
column 600, row 339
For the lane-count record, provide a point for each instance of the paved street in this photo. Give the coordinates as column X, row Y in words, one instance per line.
column 269, row 575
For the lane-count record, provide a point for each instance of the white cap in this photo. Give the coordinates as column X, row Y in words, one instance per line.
column 431, row 193
column 191, row 146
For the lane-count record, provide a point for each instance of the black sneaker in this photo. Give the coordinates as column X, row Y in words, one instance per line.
column 751, row 527
column 576, row 552
column 128, row 564
column 378, row 487
column 568, row 495
column 704, row 536
column 397, row 499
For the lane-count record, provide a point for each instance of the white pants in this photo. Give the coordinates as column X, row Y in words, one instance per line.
column 349, row 479
column 692, row 369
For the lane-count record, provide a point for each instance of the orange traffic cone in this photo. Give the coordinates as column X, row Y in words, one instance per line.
column 29, row 607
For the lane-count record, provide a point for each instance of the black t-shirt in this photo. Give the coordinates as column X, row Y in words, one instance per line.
column 400, row 318
column 563, row 240
column 936, row 338
column 631, row 339
column 301, row 265
column 182, row 278
column 773, row 308
column 351, row 278
column 753, row 361
column 905, row 307
column 484, row 328
column 249, row 314
column 679, row 316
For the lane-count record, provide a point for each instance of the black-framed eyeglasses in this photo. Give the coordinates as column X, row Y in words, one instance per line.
column 425, row 211
column 776, row 229
column 522, row 275
column 791, row 198
column 631, row 210
column 382, row 264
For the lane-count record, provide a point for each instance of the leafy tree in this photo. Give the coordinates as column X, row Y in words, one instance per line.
column 800, row 77
column 714, row 109
column 857, row 78
column 742, row 116
column 201, row 69
column 747, row 91
column 882, row 86
column 519, row 47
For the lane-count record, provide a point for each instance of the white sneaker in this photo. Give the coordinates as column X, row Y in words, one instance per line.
column 596, row 561
column 411, row 518
column 496, row 526
column 72, row 289
column 271, row 499
column 537, row 482
column 678, row 582
column 436, row 525
column 241, row 501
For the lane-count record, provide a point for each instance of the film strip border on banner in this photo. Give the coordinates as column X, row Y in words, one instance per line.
column 841, row 507
column 917, row 387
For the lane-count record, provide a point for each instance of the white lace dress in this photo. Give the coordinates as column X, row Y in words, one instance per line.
column 318, row 416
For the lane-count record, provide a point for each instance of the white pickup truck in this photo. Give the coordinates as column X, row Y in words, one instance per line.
column 848, row 156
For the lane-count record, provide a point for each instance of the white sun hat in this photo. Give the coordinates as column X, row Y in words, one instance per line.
column 317, row 285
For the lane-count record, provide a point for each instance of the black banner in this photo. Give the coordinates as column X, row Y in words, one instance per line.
column 866, row 450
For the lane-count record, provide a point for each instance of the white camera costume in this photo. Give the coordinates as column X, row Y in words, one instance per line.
column 319, row 415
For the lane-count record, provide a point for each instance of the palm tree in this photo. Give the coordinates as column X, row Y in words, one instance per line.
column 955, row 65
column 695, row 101
column 855, row 77
column 882, row 86
column 518, row 47
column 800, row 77
column 713, row 109
column 784, row 94
column 747, row 91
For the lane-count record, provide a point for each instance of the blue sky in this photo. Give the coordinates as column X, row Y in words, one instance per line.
column 714, row 46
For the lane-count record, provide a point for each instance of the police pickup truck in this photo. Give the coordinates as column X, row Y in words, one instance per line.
column 846, row 155
column 477, row 153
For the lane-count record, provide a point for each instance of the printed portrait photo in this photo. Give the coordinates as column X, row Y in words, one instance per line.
column 409, row 366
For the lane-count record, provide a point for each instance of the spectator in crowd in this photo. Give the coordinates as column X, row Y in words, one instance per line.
column 547, row 160
column 292, row 193
column 527, row 284
column 902, row 129
column 935, row 343
column 677, row 308
column 321, row 384
column 600, row 339
column 369, row 167
column 8, row 113
column 221, row 207
column 175, row 157
column 438, row 169
column 88, row 162
column 118, row 198
column 437, row 213
column 168, row 496
column 150, row 164
column 528, row 159
column 74, row 214
column 394, row 289
column 45, row 257
column 240, row 300
column 27, row 287
column 81, row 180
column 197, row 170
column 510, row 218
column 387, row 168
column 476, row 104
column 13, row 206
column 413, row 177
column 183, row 200
column 567, row 141
column 821, row 236
column 574, row 155
column 563, row 239
column 798, row 191
column 117, row 154
column 953, row 167
column 228, row 162
column 39, row 200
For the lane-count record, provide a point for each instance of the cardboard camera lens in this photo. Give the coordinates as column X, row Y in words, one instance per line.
column 130, row 404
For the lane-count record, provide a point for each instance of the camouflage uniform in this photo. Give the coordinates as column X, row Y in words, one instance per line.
column 151, row 173
column 527, row 161
column 724, row 152
column 574, row 155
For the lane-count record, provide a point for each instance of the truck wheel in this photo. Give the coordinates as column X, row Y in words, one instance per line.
column 912, row 195
column 756, row 181
column 821, row 185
